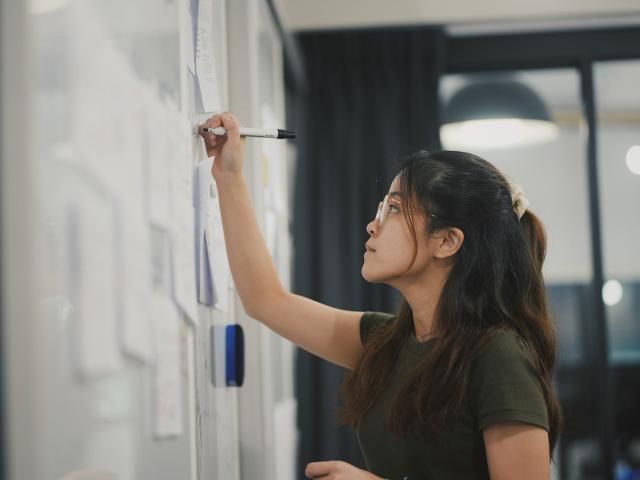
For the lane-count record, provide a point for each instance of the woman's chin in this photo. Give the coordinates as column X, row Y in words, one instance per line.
column 364, row 273
column 368, row 276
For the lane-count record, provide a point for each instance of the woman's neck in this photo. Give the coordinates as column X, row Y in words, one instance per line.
column 423, row 297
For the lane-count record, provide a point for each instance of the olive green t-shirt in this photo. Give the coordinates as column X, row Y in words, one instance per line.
column 503, row 387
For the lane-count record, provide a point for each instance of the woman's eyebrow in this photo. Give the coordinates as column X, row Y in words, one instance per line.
column 396, row 194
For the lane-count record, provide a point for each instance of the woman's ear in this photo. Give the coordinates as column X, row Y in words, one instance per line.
column 449, row 242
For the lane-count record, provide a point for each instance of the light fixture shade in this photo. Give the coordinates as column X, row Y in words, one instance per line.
column 496, row 114
column 498, row 99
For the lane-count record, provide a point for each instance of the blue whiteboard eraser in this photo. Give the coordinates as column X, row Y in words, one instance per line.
column 234, row 355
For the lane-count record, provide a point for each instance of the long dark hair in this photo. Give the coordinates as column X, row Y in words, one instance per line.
column 495, row 283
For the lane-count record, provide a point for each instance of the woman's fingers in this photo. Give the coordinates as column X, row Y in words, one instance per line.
column 232, row 125
column 320, row 469
column 229, row 147
column 211, row 139
column 212, row 122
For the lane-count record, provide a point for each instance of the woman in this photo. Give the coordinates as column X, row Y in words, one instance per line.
column 457, row 385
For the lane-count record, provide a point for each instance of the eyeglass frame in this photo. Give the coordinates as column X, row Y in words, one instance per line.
column 381, row 208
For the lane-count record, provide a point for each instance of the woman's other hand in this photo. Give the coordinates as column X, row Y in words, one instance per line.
column 337, row 470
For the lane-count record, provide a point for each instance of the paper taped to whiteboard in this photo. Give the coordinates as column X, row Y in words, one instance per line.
column 206, row 59
column 183, row 224
column 206, row 287
column 167, row 381
column 91, row 277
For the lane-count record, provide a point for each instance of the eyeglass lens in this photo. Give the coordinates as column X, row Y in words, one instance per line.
column 383, row 208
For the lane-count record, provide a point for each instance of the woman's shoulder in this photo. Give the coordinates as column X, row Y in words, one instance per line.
column 502, row 338
column 503, row 356
column 371, row 321
column 505, row 385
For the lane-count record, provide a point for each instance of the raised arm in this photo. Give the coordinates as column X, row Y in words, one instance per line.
column 328, row 332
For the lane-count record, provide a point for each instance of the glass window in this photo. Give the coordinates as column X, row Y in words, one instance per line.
column 618, row 108
column 553, row 174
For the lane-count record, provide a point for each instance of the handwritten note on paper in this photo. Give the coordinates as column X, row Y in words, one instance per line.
column 206, row 59
column 186, row 35
column 90, row 227
column 167, row 382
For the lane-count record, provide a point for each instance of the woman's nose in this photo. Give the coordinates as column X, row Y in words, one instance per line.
column 371, row 227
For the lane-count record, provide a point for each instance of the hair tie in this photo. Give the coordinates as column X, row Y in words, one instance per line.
column 518, row 200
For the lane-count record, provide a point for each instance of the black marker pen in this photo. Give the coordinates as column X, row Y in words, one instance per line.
column 255, row 132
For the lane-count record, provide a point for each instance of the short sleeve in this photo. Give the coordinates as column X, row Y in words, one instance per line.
column 504, row 384
column 370, row 321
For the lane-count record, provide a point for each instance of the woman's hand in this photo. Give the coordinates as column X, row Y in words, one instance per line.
column 337, row 470
column 228, row 151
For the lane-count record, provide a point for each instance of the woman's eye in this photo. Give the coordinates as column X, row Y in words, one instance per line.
column 393, row 206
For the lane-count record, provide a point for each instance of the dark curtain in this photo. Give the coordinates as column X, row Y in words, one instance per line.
column 372, row 97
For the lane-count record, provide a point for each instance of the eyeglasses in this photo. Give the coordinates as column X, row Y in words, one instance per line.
column 384, row 208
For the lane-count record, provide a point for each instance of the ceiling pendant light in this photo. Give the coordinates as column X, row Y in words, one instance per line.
column 495, row 115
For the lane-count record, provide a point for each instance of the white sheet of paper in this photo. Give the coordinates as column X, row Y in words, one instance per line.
column 157, row 171
column 91, row 255
column 186, row 35
column 218, row 252
column 206, row 58
column 111, row 449
column 274, row 188
column 183, row 223
column 167, row 381
column 99, row 104
column 135, row 288
column 160, row 260
column 286, row 437
column 227, row 438
column 275, row 165
column 207, row 293
column 134, row 243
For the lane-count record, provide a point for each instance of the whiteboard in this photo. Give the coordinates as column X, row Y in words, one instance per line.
column 101, row 71
column 95, row 285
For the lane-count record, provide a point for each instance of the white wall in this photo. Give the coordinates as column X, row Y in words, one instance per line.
column 313, row 14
